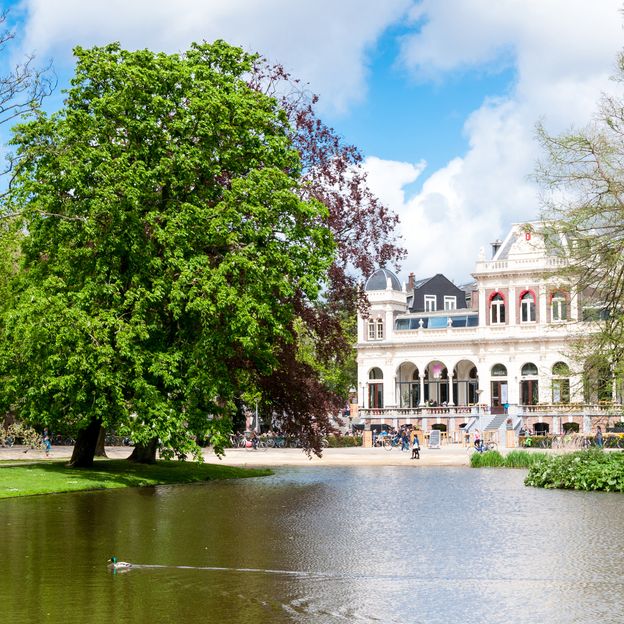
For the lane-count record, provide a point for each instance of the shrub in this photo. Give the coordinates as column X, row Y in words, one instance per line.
column 583, row 470
column 487, row 459
column 343, row 441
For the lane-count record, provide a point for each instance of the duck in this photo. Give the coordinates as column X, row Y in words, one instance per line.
column 118, row 565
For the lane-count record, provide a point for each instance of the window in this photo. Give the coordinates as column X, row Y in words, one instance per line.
column 527, row 308
column 450, row 303
column 430, row 303
column 497, row 309
column 561, row 383
column 499, row 370
column 375, row 329
column 375, row 388
column 529, row 388
column 529, row 369
column 559, row 307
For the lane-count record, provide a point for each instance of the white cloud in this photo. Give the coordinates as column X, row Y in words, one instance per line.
column 563, row 52
column 325, row 43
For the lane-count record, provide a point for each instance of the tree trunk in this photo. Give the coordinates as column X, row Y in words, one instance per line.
column 145, row 453
column 100, row 451
column 84, row 449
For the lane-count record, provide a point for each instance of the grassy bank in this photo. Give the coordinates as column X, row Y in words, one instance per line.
column 55, row 477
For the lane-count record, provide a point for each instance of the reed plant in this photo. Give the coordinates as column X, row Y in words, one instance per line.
column 523, row 459
column 487, row 459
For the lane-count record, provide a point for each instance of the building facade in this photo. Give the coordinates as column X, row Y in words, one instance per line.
column 498, row 353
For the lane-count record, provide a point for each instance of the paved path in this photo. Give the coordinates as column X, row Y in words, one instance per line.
column 451, row 455
column 447, row 455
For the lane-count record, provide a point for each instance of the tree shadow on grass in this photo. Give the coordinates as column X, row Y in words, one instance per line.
column 48, row 477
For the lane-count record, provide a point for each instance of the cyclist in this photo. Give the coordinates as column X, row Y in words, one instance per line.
column 478, row 443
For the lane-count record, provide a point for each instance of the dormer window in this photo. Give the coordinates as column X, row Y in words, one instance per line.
column 497, row 309
column 450, row 303
column 430, row 303
column 527, row 307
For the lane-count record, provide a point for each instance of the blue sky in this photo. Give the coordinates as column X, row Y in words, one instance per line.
column 441, row 96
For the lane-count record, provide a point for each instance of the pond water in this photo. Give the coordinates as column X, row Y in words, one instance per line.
column 324, row 545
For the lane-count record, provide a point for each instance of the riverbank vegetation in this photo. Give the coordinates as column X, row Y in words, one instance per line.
column 583, row 470
column 27, row 479
column 514, row 459
column 591, row 469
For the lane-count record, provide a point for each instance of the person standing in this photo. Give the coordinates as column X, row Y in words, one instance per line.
column 47, row 445
column 599, row 440
column 415, row 447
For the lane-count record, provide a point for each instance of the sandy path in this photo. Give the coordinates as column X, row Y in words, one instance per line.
column 451, row 455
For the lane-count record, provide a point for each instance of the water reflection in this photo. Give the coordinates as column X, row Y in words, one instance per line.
column 318, row 545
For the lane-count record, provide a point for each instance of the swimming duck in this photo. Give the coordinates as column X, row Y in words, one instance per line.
column 118, row 565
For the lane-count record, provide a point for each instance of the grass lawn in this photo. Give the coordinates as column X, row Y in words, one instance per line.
column 52, row 477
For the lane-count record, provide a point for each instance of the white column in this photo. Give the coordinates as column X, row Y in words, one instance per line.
column 512, row 305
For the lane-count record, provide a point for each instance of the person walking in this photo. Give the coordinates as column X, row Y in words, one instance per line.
column 404, row 441
column 599, row 440
column 415, row 447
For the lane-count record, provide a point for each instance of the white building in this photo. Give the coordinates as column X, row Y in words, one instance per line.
column 499, row 356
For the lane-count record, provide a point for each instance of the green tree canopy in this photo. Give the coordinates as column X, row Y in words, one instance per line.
column 166, row 247
column 582, row 175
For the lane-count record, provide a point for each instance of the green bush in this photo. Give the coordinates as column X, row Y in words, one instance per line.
column 343, row 441
column 583, row 470
column 487, row 459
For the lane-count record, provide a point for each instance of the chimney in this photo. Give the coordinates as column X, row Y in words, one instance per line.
column 496, row 246
column 410, row 283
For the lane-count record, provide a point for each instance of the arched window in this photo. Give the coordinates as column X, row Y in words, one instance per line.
column 529, row 369
column 527, row 307
column 375, row 373
column 497, row 309
column 560, row 383
column 529, row 386
column 560, row 369
column 375, row 388
column 499, row 370
column 559, row 307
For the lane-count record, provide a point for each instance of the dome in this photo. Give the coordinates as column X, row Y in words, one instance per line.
column 382, row 279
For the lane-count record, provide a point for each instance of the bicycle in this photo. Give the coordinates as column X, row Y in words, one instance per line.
column 482, row 447
column 391, row 442
column 258, row 445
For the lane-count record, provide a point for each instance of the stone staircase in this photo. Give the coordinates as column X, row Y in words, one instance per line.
column 496, row 422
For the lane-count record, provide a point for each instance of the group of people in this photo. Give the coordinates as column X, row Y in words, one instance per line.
column 401, row 436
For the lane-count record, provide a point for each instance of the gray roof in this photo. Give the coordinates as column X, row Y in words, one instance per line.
column 379, row 280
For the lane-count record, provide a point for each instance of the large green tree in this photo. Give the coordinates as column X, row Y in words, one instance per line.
column 167, row 247
column 582, row 176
